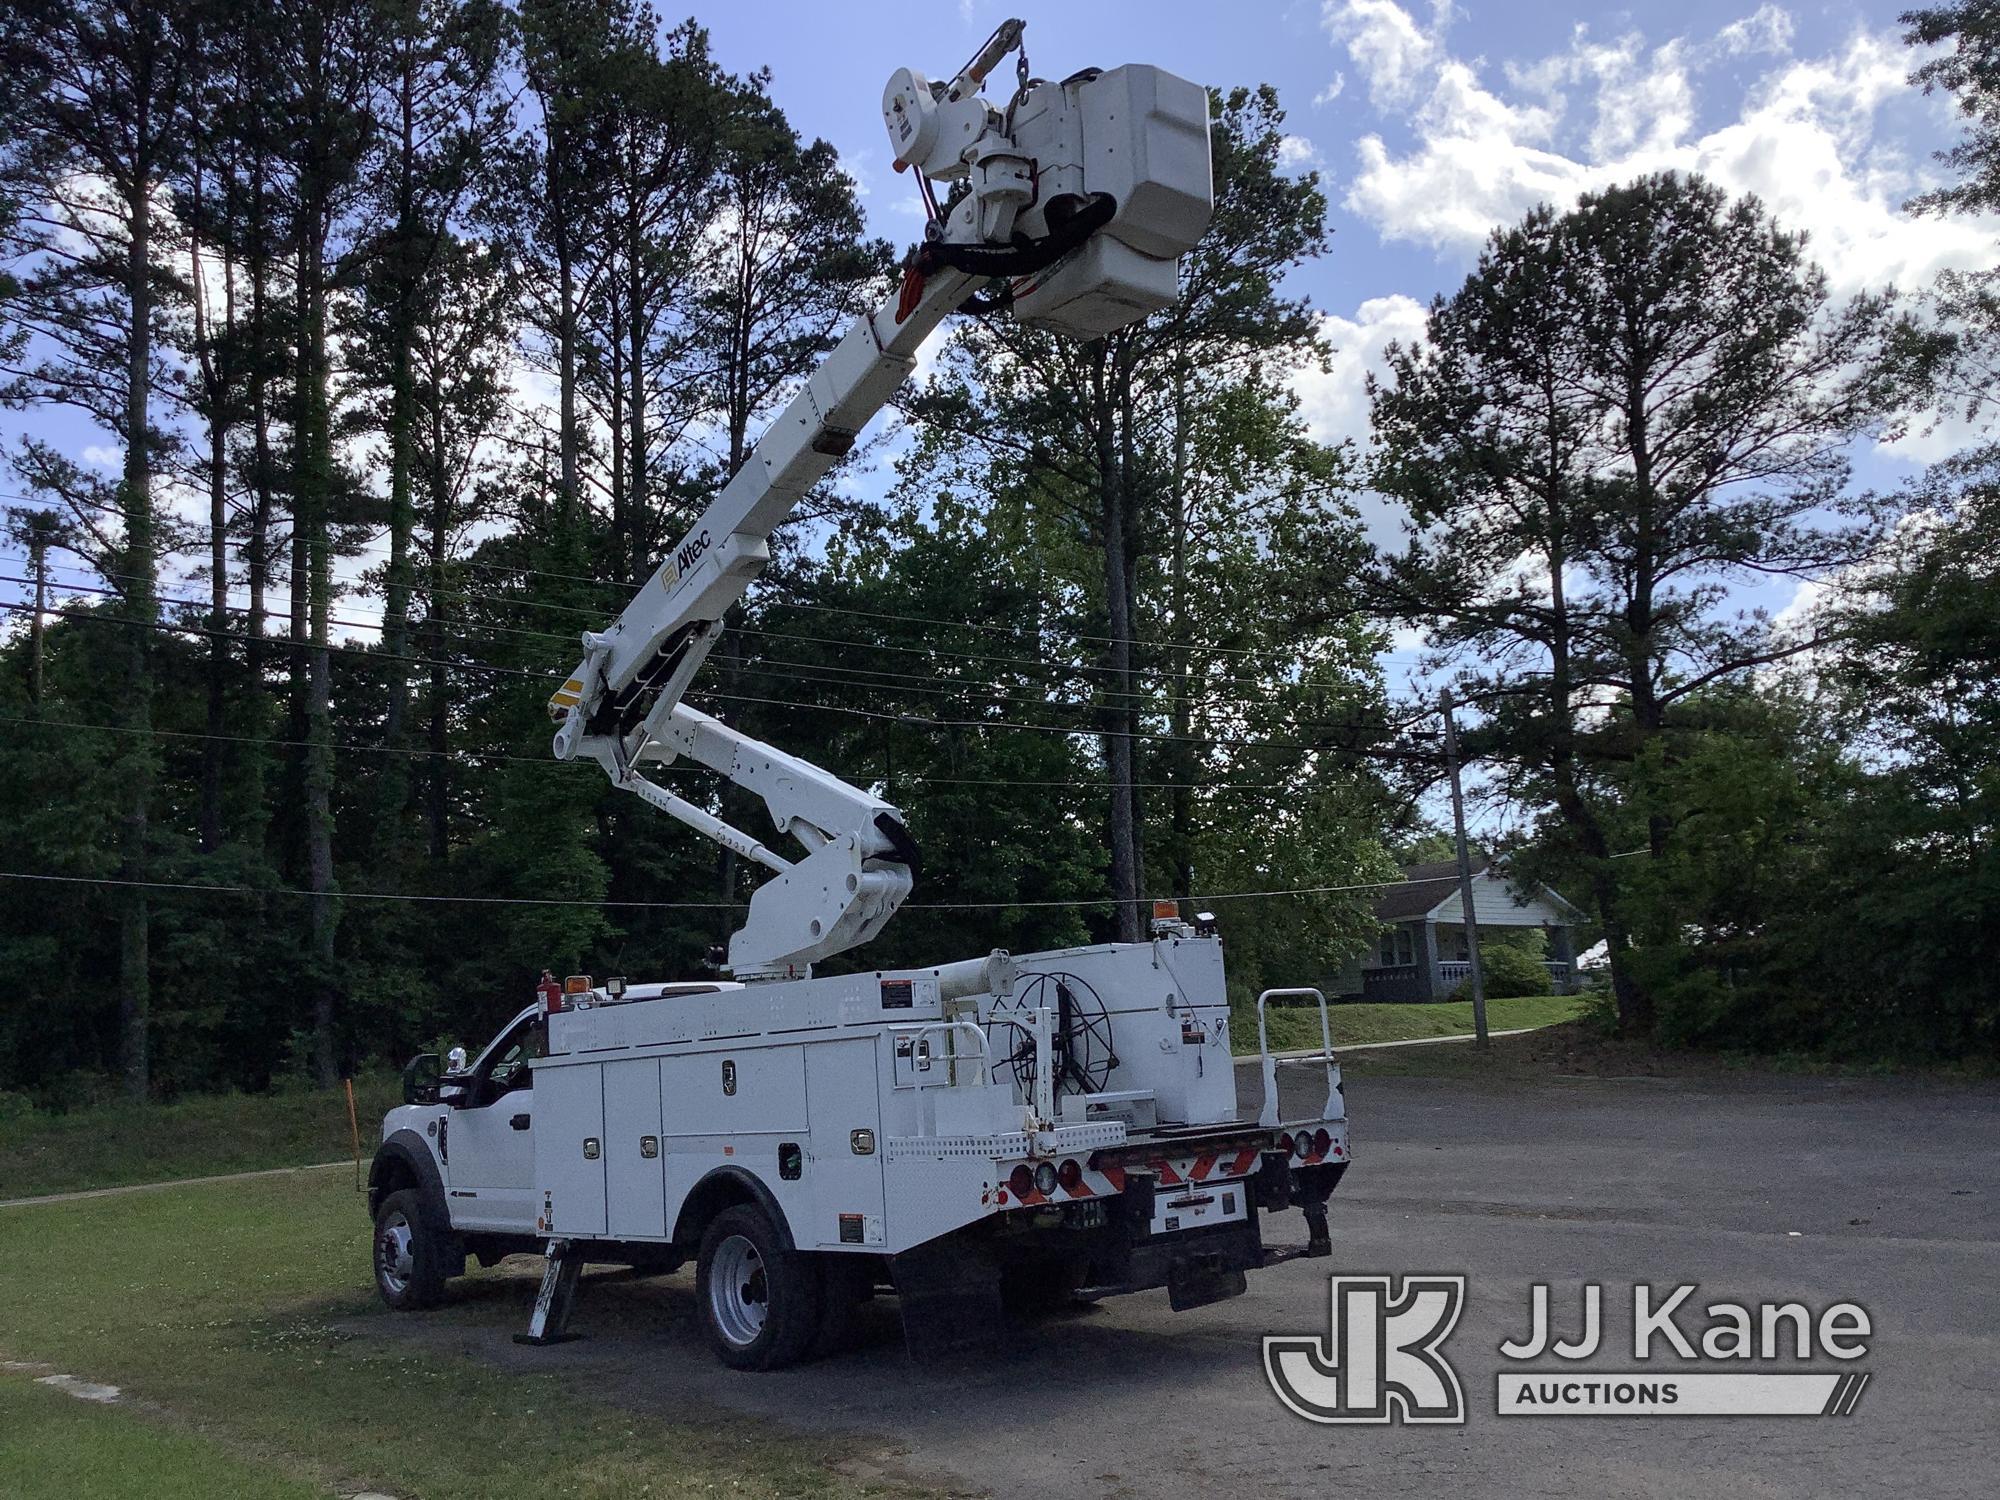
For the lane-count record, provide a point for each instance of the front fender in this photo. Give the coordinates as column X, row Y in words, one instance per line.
column 407, row 1155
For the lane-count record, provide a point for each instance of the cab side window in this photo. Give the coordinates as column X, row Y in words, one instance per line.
column 510, row 1070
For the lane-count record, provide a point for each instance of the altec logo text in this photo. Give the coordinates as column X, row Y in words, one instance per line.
column 1383, row 1360
column 688, row 554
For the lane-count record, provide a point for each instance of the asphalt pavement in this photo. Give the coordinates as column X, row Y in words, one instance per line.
column 1885, row 1193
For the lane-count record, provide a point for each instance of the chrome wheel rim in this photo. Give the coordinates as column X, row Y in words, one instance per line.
column 738, row 1291
column 395, row 1262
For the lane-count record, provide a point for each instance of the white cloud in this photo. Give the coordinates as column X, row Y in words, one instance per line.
column 1393, row 52
column 1769, row 30
column 1334, row 401
column 1332, row 91
column 1807, row 140
column 1297, row 154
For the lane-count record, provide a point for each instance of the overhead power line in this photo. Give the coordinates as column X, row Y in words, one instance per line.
column 1262, row 687
column 801, row 671
column 1080, row 904
column 477, row 757
column 1008, row 725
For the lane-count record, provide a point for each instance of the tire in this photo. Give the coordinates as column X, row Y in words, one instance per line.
column 758, row 1299
column 412, row 1259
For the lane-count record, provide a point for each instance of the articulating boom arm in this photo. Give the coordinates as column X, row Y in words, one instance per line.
column 1081, row 196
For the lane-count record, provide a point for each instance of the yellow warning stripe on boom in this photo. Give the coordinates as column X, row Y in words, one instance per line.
column 564, row 698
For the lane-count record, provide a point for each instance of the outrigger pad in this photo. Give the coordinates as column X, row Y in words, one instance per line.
column 950, row 1296
column 549, row 1323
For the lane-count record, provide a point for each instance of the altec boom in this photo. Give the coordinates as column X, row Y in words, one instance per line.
column 1059, row 1121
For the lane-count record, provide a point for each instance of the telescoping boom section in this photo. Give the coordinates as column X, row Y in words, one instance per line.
column 1074, row 201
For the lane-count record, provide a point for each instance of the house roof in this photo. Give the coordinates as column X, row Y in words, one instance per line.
column 1425, row 885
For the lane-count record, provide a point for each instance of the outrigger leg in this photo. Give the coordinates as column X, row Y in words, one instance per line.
column 550, row 1322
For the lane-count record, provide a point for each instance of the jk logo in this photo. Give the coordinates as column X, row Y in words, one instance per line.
column 1380, row 1360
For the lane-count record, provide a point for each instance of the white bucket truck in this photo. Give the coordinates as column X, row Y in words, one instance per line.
column 1054, row 1122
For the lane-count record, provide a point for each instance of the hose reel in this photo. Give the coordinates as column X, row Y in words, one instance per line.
column 1080, row 1043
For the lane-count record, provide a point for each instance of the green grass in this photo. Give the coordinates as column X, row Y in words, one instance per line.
column 1295, row 1027
column 231, row 1311
column 110, row 1145
column 55, row 1447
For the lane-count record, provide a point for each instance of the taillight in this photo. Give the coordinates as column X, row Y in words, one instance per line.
column 1070, row 1175
column 1322, row 1142
column 1045, row 1179
column 1304, row 1144
column 1021, row 1180
column 1285, row 1143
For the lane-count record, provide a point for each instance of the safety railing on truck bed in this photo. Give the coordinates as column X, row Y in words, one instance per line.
column 1334, row 1110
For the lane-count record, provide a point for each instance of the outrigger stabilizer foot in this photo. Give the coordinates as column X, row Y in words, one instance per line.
column 1318, row 1241
column 550, row 1322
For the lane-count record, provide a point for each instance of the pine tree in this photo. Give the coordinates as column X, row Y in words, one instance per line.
column 100, row 128
column 1623, row 408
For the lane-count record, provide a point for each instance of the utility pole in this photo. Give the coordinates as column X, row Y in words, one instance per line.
column 1464, row 871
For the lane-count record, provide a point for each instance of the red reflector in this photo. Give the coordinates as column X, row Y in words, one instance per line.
column 1070, row 1175
column 1021, row 1180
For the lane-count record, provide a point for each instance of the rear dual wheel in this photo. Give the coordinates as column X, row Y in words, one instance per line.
column 759, row 1298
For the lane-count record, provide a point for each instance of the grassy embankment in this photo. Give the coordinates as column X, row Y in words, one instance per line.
column 1297, row 1027
column 227, row 1314
column 110, row 1145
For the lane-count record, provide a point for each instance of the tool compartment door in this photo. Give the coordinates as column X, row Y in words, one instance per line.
column 844, row 1095
column 634, row 1161
column 569, row 1148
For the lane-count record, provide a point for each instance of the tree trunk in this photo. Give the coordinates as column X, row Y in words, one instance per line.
column 215, row 361
column 395, row 783
column 566, row 336
column 438, row 793
column 141, row 603
column 40, row 559
column 635, row 334
column 313, row 548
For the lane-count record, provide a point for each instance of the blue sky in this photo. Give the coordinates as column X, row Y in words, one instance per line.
column 1429, row 123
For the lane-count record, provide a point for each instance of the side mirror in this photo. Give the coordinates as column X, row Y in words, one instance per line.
column 420, row 1079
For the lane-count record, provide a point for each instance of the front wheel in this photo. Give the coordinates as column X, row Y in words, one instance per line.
column 410, row 1256
column 759, row 1299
